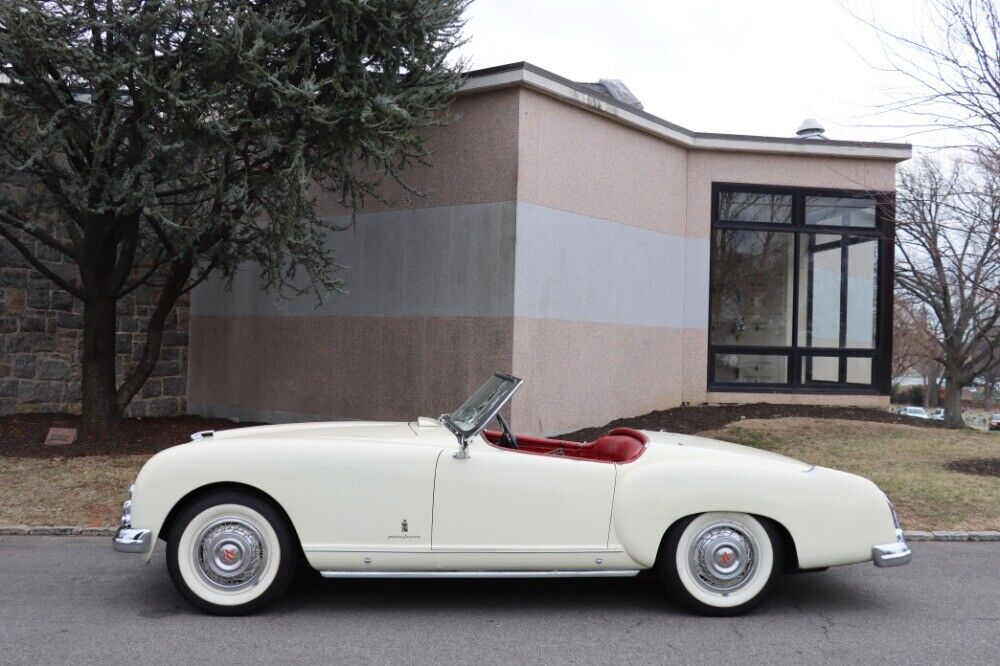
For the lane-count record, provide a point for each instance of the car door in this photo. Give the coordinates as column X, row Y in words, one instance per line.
column 499, row 500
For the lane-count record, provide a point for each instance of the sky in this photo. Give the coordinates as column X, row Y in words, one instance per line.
column 743, row 67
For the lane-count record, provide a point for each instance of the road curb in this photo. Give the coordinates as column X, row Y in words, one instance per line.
column 70, row 530
column 951, row 535
column 54, row 530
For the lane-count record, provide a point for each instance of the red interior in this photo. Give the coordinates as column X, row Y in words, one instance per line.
column 621, row 445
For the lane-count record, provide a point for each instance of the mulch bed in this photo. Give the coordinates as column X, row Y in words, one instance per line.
column 22, row 435
column 980, row 466
column 692, row 419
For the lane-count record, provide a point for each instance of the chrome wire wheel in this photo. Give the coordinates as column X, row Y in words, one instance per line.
column 722, row 558
column 230, row 553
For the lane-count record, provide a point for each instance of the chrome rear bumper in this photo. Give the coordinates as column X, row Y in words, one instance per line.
column 892, row 554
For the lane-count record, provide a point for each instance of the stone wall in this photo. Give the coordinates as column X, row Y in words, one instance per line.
column 41, row 335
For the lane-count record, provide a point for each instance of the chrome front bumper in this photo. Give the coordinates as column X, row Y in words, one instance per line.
column 128, row 539
column 131, row 540
column 892, row 554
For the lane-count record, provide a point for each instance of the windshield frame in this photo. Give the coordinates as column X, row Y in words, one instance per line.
column 488, row 414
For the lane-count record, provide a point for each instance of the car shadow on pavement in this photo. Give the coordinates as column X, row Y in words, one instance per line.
column 817, row 593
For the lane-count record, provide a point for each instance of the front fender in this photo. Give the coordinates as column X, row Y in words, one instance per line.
column 173, row 474
column 833, row 517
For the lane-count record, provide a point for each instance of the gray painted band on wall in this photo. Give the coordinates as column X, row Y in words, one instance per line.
column 464, row 261
column 449, row 261
column 578, row 268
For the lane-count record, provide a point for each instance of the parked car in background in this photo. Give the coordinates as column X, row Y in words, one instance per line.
column 936, row 414
column 915, row 412
column 995, row 422
column 444, row 497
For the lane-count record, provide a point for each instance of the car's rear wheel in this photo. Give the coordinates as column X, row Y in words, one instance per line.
column 720, row 563
column 230, row 553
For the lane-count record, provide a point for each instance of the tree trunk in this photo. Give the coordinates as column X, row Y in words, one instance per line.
column 933, row 397
column 953, row 405
column 100, row 409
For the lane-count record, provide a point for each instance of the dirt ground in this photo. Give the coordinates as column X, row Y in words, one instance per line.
column 23, row 435
column 694, row 419
column 982, row 466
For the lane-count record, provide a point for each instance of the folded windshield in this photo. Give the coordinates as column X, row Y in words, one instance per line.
column 482, row 406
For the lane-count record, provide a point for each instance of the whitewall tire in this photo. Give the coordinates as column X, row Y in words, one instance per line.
column 230, row 553
column 721, row 563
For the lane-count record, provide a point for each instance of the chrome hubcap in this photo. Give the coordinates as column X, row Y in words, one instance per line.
column 722, row 558
column 230, row 554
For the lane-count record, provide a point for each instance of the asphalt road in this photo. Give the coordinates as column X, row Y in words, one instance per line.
column 72, row 600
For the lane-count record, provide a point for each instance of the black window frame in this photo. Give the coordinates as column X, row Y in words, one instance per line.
column 881, row 352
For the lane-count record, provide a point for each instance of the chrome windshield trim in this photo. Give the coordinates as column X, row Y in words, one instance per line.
column 484, row 417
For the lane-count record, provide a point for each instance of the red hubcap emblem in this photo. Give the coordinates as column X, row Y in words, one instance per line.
column 725, row 558
column 229, row 555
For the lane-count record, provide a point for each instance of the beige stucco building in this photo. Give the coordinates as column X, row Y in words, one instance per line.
column 570, row 238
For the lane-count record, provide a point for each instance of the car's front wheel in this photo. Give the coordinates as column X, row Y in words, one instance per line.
column 720, row 563
column 230, row 553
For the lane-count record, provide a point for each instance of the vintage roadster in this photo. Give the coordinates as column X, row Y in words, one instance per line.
column 444, row 497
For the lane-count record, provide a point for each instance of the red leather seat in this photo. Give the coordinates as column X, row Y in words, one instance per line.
column 617, row 448
column 620, row 445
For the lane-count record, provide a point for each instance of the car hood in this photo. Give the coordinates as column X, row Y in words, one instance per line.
column 353, row 430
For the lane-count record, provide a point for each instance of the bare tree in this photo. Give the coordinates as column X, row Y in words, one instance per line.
column 915, row 347
column 990, row 378
column 952, row 67
column 947, row 242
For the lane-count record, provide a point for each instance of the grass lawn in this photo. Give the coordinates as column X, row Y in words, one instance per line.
column 905, row 461
column 84, row 492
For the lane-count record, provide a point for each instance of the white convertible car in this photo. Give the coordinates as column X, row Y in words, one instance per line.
column 239, row 509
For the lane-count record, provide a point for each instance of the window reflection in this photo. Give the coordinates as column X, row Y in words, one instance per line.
column 751, row 369
column 755, row 207
column 752, row 287
column 840, row 212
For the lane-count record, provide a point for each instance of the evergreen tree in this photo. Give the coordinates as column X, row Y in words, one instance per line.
column 168, row 139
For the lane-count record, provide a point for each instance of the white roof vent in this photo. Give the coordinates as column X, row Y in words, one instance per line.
column 810, row 129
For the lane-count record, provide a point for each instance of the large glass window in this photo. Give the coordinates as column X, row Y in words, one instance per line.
column 752, row 287
column 837, row 291
column 795, row 297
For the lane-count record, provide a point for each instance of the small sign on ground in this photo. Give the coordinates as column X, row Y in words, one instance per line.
column 60, row 437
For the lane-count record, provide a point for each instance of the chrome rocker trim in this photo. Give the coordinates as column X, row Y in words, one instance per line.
column 892, row 554
column 611, row 573
column 131, row 540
